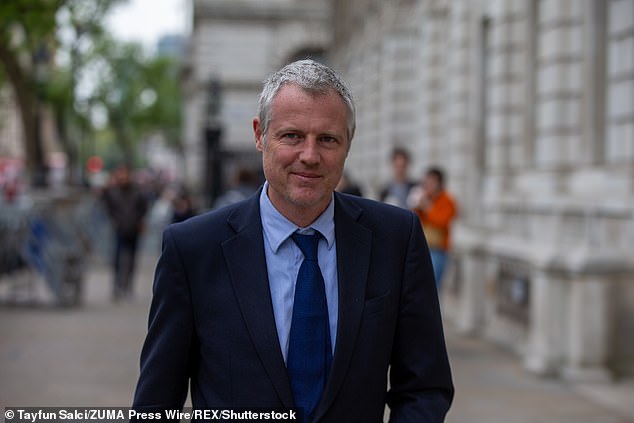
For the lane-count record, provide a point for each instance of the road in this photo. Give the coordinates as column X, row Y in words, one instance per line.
column 88, row 356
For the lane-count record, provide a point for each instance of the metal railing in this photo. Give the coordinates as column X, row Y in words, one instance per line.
column 48, row 240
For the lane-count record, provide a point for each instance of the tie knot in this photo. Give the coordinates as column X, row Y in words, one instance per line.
column 308, row 244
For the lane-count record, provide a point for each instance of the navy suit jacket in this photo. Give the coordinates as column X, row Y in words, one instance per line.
column 211, row 321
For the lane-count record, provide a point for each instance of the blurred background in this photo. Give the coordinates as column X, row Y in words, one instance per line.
column 527, row 105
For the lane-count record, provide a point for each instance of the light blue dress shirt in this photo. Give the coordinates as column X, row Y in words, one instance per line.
column 283, row 259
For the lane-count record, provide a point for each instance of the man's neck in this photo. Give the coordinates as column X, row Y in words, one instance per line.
column 303, row 217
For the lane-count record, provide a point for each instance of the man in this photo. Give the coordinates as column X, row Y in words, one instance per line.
column 244, row 185
column 398, row 189
column 436, row 210
column 126, row 206
column 227, row 318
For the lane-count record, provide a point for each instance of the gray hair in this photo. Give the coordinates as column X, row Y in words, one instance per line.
column 308, row 75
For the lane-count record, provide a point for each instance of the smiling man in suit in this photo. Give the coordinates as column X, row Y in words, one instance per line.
column 299, row 297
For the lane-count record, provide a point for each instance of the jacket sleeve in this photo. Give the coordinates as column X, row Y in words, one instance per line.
column 421, row 388
column 168, row 347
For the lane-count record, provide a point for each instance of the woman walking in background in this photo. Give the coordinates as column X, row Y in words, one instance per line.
column 436, row 210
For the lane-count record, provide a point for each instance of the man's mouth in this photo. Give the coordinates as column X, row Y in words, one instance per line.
column 307, row 175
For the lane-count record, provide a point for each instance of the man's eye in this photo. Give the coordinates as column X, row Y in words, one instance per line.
column 290, row 137
column 328, row 140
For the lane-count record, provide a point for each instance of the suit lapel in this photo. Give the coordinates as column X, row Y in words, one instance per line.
column 252, row 291
column 353, row 262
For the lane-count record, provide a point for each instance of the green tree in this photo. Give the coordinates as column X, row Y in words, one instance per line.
column 28, row 32
column 79, row 29
column 163, row 114
column 29, row 37
column 135, row 95
column 139, row 95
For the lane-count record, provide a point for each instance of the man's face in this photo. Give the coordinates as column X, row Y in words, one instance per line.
column 399, row 167
column 304, row 151
column 124, row 176
column 431, row 185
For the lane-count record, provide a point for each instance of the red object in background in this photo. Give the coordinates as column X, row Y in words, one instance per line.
column 94, row 164
column 10, row 178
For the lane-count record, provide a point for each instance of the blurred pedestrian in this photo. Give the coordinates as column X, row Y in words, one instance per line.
column 244, row 184
column 126, row 206
column 348, row 186
column 182, row 205
column 436, row 210
column 397, row 190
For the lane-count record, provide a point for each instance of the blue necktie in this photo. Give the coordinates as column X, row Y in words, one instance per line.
column 309, row 347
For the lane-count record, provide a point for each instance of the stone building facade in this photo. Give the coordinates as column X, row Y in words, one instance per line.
column 529, row 106
column 233, row 47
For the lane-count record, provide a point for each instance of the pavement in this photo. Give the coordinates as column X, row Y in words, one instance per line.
column 88, row 357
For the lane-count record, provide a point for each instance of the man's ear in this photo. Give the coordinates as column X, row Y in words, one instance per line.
column 257, row 132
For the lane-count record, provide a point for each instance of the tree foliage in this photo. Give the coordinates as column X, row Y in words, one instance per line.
column 140, row 95
column 56, row 53
column 28, row 33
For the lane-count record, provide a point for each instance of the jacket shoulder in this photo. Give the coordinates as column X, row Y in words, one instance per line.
column 214, row 225
column 374, row 213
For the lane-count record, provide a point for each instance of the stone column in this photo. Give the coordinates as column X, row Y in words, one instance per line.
column 472, row 299
column 588, row 331
column 547, row 308
column 594, row 66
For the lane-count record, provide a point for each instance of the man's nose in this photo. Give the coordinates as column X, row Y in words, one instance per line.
column 309, row 153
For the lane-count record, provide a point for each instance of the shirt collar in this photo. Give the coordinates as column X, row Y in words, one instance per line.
column 278, row 228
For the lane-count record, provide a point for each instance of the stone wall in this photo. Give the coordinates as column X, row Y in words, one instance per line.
column 529, row 106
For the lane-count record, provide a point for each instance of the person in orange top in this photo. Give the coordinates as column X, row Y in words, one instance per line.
column 436, row 210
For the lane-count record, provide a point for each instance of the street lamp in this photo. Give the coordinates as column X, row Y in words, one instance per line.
column 41, row 59
column 213, row 134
